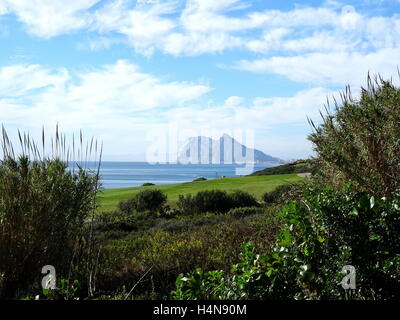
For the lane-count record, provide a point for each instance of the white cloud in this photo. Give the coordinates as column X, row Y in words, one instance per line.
column 234, row 101
column 199, row 43
column 20, row 80
column 325, row 45
column 48, row 18
column 194, row 27
column 277, row 115
column 143, row 25
column 261, row 113
column 3, row 9
column 206, row 16
column 119, row 104
column 337, row 68
column 115, row 101
column 123, row 87
column 271, row 40
column 211, row 5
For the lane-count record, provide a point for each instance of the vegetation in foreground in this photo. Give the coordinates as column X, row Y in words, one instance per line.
column 43, row 210
column 286, row 242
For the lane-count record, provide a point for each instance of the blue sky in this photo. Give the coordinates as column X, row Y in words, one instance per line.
column 123, row 70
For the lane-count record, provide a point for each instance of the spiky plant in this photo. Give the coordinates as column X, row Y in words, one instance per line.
column 46, row 202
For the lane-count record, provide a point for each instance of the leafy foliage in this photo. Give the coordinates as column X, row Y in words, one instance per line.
column 327, row 231
column 216, row 201
column 245, row 211
column 240, row 199
column 360, row 142
column 279, row 195
column 128, row 206
column 146, row 200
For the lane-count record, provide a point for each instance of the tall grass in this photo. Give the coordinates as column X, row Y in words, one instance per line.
column 47, row 202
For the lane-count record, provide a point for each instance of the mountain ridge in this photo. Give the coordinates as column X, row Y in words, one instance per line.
column 224, row 150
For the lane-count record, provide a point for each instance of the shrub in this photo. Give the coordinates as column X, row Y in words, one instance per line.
column 245, row 211
column 148, row 184
column 128, row 206
column 113, row 221
column 200, row 179
column 185, row 204
column 173, row 247
column 215, row 201
column 216, row 285
column 323, row 233
column 189, row 223
column 43, row 210
column 359, row 141
column 168, row 212
column 278, row 195
column 240, row 199
column 146, row 200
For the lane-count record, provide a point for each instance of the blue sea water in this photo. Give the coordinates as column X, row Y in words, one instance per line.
column 133, row 174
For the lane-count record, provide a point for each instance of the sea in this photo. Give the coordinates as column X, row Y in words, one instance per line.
column 132, row 174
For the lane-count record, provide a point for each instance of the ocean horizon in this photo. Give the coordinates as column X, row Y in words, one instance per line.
column 123, row 174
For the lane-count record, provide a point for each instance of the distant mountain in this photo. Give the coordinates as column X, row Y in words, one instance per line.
column 225, row 150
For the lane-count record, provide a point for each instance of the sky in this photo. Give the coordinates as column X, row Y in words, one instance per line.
column 131, row 72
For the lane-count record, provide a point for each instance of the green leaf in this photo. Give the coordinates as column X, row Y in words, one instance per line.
column 353, row 212
column 372, row 202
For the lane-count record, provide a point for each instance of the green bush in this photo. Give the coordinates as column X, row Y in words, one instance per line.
column 215, row 201
column 217, row 285
column 278, row 195
column 190, row 223
column 127, row 206
column 240, row 199
column 146, row 200
column 44, row 211
column 168, row 212
column 359, row 141
column 151, row 200
column 148, row 184
column 106, row 222
column 200, row 179
column 177, row 246
column 245, row 211
column 323, row 233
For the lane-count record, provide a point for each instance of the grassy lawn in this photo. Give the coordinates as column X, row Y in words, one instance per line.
column 256, row 185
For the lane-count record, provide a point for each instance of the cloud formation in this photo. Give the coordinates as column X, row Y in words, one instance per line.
column 49, row 18
column 333, row 38
column 87, row 97
column 120, row 104
column 321, row 47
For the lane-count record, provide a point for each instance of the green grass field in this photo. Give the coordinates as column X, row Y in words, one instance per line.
column 257, row 186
